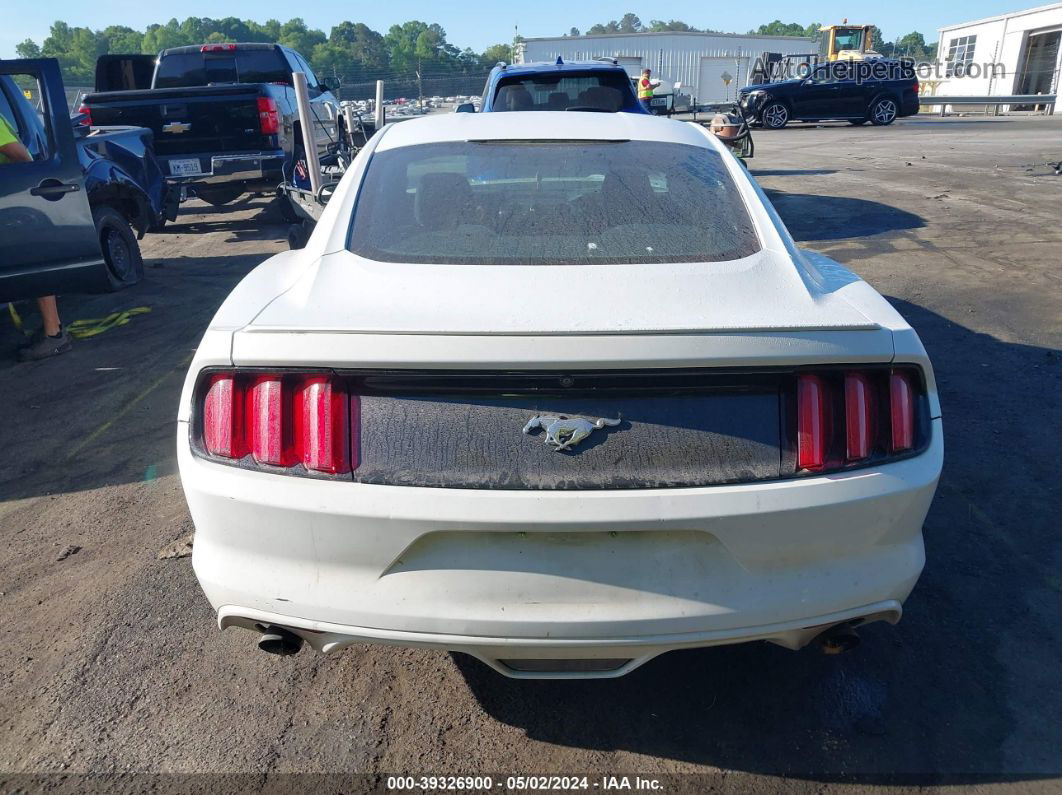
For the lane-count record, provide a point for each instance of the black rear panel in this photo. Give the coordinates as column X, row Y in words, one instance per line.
column 188, row 120
column 675, row 429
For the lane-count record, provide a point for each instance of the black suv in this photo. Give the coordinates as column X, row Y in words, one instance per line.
column 877, row 91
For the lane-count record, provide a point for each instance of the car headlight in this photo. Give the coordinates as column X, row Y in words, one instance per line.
column 755, row 97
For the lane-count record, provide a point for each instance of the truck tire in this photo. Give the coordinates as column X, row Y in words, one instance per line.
column 219, row 196
column 775, row 116
column 121, row 252
column 299, row 235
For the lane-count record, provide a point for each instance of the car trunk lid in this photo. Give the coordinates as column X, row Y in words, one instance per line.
column 346, row 294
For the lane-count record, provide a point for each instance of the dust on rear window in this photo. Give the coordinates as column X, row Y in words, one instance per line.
column 550, row 203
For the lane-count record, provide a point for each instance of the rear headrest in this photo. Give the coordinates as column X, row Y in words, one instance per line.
column 558, row 100
column 441, row 200
column 603, row 97
column 513, row 97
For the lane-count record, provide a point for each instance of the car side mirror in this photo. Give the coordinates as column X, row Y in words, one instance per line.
column 323, row 87
column 465, row 107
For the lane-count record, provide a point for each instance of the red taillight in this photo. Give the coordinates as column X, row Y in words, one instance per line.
column 86, row 113
column 812, row 422
column 901, row 411
column 324, row 424
column 268, row 118
column 217, row 48
column 223, row 417
column 859, row 416
column 282, row 420
column 876, row 407
column 266, row 426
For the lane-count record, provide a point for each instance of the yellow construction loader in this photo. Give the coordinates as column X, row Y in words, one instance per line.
column 846, row 42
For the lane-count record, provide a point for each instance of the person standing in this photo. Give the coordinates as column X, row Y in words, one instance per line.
column 51, row 340
column 646, row 84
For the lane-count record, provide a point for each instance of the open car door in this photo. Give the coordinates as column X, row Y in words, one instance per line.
column 48, row 242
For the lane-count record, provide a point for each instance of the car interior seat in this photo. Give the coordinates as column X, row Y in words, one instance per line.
column 602, row 98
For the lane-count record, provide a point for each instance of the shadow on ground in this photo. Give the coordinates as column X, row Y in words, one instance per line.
column 960, row 690
column 815, row 218
column 105, row 413
column 791, row 172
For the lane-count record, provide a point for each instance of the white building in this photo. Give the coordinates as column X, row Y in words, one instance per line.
column 699, row 61
column 1016, row 53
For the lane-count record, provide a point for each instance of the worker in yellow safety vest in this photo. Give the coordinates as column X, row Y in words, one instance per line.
column 646, row 84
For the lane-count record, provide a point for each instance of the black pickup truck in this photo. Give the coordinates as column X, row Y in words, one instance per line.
column 67, row 217
column 878, row 91
column 224, row 116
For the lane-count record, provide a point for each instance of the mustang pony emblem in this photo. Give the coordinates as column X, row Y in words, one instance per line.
column 566, row 432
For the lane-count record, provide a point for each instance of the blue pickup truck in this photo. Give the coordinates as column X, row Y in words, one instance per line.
column 70, row 219
column 597, row 86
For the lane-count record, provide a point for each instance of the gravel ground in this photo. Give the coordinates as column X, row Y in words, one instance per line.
column 112, row 665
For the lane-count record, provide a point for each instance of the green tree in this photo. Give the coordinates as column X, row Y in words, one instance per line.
column 28, row 49
column 660, row 26
column 121, row 39
column 912, row 45
column 162, row 37
column 630, row 23
column 296, row 35
column 573, row 32
column 495, row 53
column 779, row 28
column 416, row 46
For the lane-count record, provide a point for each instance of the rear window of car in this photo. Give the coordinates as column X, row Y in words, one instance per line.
column 595, row 90
column 203, row 68
column 550, row 203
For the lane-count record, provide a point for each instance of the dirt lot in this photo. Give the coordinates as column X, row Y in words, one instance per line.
column 112, row 664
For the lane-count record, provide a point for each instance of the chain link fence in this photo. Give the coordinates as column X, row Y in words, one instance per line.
column 405, row 85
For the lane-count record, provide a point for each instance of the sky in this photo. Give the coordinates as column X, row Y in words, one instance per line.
column 480, row 24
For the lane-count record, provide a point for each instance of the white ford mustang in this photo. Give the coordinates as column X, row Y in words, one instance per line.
column 558, row 391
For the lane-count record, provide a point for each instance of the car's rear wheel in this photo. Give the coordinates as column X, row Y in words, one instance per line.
column 775, row 116
column 121, row 252
column 883, row 111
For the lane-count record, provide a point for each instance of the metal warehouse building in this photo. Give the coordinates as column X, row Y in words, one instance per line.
column 1024, row 45
column 697, row 60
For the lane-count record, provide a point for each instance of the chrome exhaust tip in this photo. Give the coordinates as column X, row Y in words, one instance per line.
column 280, row 641
column 838, row 639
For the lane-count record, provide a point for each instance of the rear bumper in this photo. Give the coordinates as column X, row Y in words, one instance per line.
column 511, row 575
column 226, row 169
column 550, row 658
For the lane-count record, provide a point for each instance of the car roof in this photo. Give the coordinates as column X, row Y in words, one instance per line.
column 540, row 126
column 238, row 45
column 538, row 67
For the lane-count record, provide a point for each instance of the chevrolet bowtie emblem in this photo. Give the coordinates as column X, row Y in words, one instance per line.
column 566, row 432
column 176, row 127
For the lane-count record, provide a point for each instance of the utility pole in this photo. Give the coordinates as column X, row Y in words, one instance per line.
column 420, row 85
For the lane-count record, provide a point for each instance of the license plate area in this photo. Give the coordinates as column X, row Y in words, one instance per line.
column 185, row 167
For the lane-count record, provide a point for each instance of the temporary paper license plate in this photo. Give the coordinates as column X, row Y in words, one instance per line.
column 184, row 168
